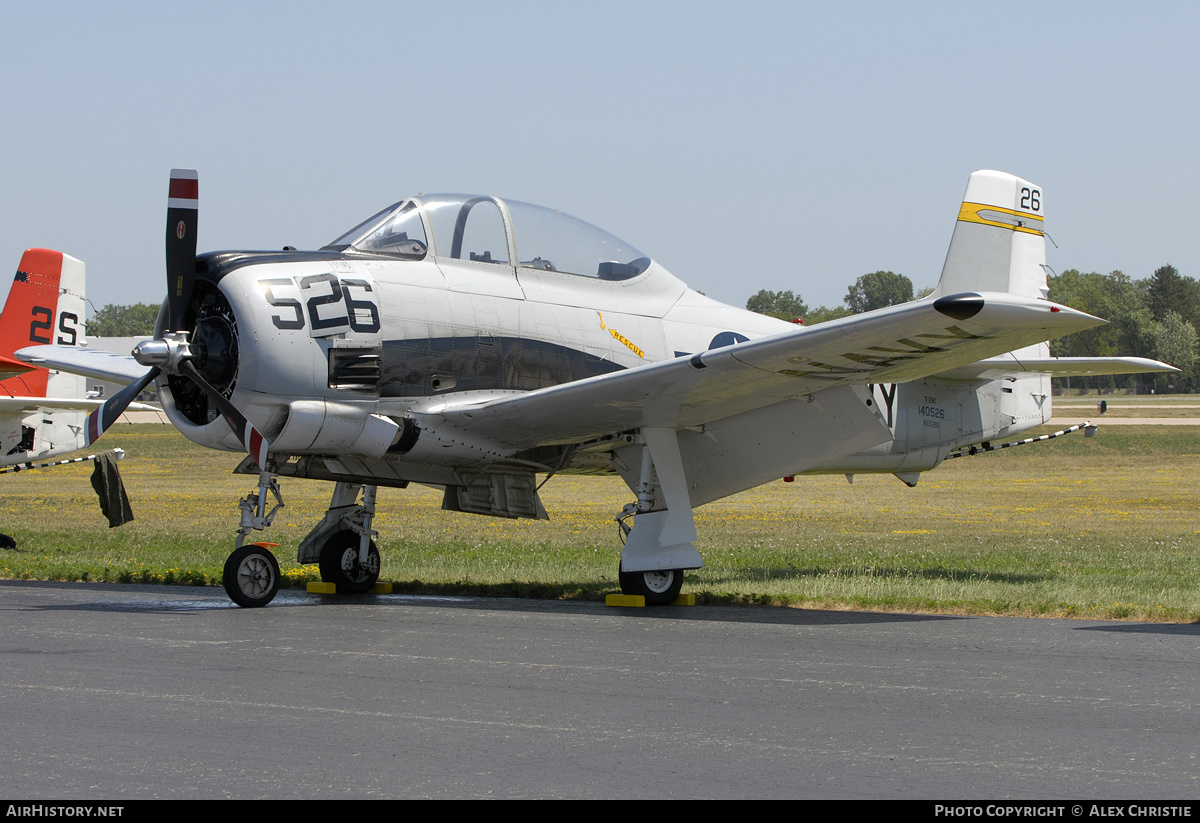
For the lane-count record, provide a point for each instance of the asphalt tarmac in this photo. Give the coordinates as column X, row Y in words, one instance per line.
column 122, row 692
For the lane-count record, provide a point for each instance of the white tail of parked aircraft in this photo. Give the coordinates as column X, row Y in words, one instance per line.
column 41, row 411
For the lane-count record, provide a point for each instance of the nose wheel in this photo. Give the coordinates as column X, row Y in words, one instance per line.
column 251, row 576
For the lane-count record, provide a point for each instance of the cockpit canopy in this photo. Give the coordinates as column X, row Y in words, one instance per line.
column 488, row 230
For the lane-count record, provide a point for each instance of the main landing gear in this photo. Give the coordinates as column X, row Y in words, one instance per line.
column 341, row 566
column 342, row 544
column 658, row 546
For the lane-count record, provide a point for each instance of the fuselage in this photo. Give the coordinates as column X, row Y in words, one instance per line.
column 375, row 325
column 328, row 351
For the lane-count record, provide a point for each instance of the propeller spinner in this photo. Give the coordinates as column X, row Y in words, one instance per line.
column 172, row 353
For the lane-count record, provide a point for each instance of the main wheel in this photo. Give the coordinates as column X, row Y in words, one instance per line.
column 251, row 576
column 660, row 588
column 339, row 563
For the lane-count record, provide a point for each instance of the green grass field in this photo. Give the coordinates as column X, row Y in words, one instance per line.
column 1129, row 406
column 1100, row 527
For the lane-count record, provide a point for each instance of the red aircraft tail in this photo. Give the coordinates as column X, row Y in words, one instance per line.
column 31, row 317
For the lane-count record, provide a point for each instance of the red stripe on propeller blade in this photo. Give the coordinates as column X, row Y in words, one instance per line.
column 184, row 189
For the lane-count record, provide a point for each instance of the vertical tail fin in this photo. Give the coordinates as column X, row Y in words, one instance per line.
column 999, row 244
column 45, row 305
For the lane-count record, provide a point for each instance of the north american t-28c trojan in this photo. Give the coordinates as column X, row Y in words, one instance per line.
column 471, row 343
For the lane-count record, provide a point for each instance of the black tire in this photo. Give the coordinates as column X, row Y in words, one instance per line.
column 339, row 563
column 251, row 576
column 660, row 588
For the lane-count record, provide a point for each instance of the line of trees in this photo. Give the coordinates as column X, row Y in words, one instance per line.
column 871, row 291
column 1157, row 317
column 123, row 321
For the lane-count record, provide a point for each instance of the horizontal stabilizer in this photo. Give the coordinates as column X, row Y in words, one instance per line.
column 1009, row 364
column 9, row 366
column 29, row 405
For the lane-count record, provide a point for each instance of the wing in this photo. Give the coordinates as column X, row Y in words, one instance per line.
column 29, row 405
column 891, row 345
column 102, row 365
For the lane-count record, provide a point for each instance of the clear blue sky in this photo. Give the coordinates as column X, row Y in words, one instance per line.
column 760, row 145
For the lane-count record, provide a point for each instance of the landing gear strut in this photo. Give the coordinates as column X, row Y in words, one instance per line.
column 658, row 546
column 342, row 543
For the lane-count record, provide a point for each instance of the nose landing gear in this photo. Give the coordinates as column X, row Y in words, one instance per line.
column 251, row 576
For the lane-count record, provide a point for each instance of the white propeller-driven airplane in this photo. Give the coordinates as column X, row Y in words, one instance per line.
column 41, row 412
column 470, row 343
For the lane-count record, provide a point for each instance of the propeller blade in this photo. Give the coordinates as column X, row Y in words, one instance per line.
column 253, row 441
column 103, row 417
column 182, row 208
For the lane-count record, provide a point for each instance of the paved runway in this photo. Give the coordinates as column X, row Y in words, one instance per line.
column 117, row 692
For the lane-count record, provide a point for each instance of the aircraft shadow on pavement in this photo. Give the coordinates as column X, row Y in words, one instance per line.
column 1184, row 629
column 883, row 572
column 182, row 600
column 151, row 599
